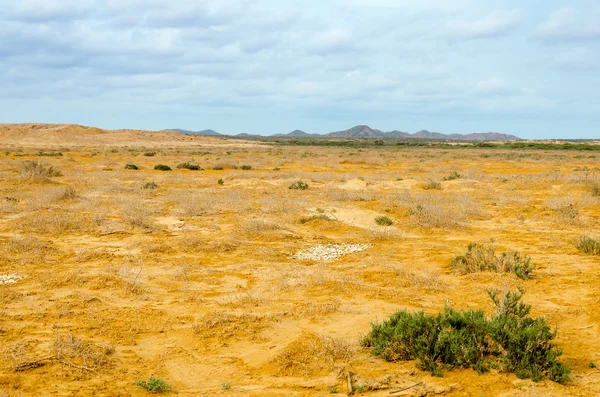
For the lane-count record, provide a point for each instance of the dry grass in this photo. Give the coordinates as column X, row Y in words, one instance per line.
column 312, row 355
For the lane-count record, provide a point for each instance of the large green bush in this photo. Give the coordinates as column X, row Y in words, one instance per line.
column 509, row 340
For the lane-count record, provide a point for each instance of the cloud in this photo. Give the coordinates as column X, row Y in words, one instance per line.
column 333, row 39
column 570, row 24
column 577, row 59
column 493, row 86
column 495, row 24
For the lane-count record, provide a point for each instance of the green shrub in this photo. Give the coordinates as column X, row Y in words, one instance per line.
column 150, row 154
column 452, row 176
column 221, row 181
column 131, row 167
column 155, row 385
column 226, row 386
column 384, row 221
column 246, row 167
column 276, row 169
column 432, row 185
column 588, row 245
column 483, row 258
column 468, row 339
column 162, row 167
column 189, row 166
column 299, row 186
column 150, row 185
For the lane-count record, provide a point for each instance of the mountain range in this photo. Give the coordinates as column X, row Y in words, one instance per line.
column 364, row 131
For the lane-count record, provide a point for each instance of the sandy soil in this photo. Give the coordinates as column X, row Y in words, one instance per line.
column 196, row 282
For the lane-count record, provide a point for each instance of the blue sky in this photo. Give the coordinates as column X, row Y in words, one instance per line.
column 529, row 68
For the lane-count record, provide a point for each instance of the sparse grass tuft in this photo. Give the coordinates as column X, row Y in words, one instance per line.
column 468, row 339
column 150, row 154
column 153, row 384
column 149, row 186
column 299, row 186
column 588, row 245
column 384, row 221
column 483, row 258
column 131, row 167
column 162, row 167
column 246, row 167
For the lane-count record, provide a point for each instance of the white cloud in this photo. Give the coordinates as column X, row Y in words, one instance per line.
column 568, row 24
column 577, row 59
column 497, row 23
column 493, row 86
column 332, row 39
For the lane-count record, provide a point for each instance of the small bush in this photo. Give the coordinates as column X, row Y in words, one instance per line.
column 306, row 219
column 299, row 186
column 383, row 221
column 588, row 245
column 483, row 258
column 276, row 169
column 149, row 185
column 454, row 175
column 509, row 339
column 218, row 168
column 595, row 189
column 246, row 167
column 432, row 185
column 49, row 154
column 131, row 167
column 221, row 181
column 33, row 169
column 226, row 386
column 150, row 154
column 162, row 167
column 189, row 166
column 153, row 384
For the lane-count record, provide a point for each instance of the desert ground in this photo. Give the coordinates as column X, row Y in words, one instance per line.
column 245, row 287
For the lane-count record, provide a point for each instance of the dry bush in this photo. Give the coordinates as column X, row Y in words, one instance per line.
column 222, row 325
column 259, row 226
column 55, row 221
column 564, row 210
column 438, row 210
column 55, row 279
column 426, row 279
column 311, row 355
column 135, row 213
column 79, row 355
column 197, row 204
column 382, row 234
column 37, row 171
column 315, row 310
column 243, row 299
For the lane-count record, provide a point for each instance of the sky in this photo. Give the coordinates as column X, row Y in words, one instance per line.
column 528, row 68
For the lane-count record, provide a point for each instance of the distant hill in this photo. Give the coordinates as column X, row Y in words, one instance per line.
column 203, row 132
column 298, row 134
column 364, row 131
